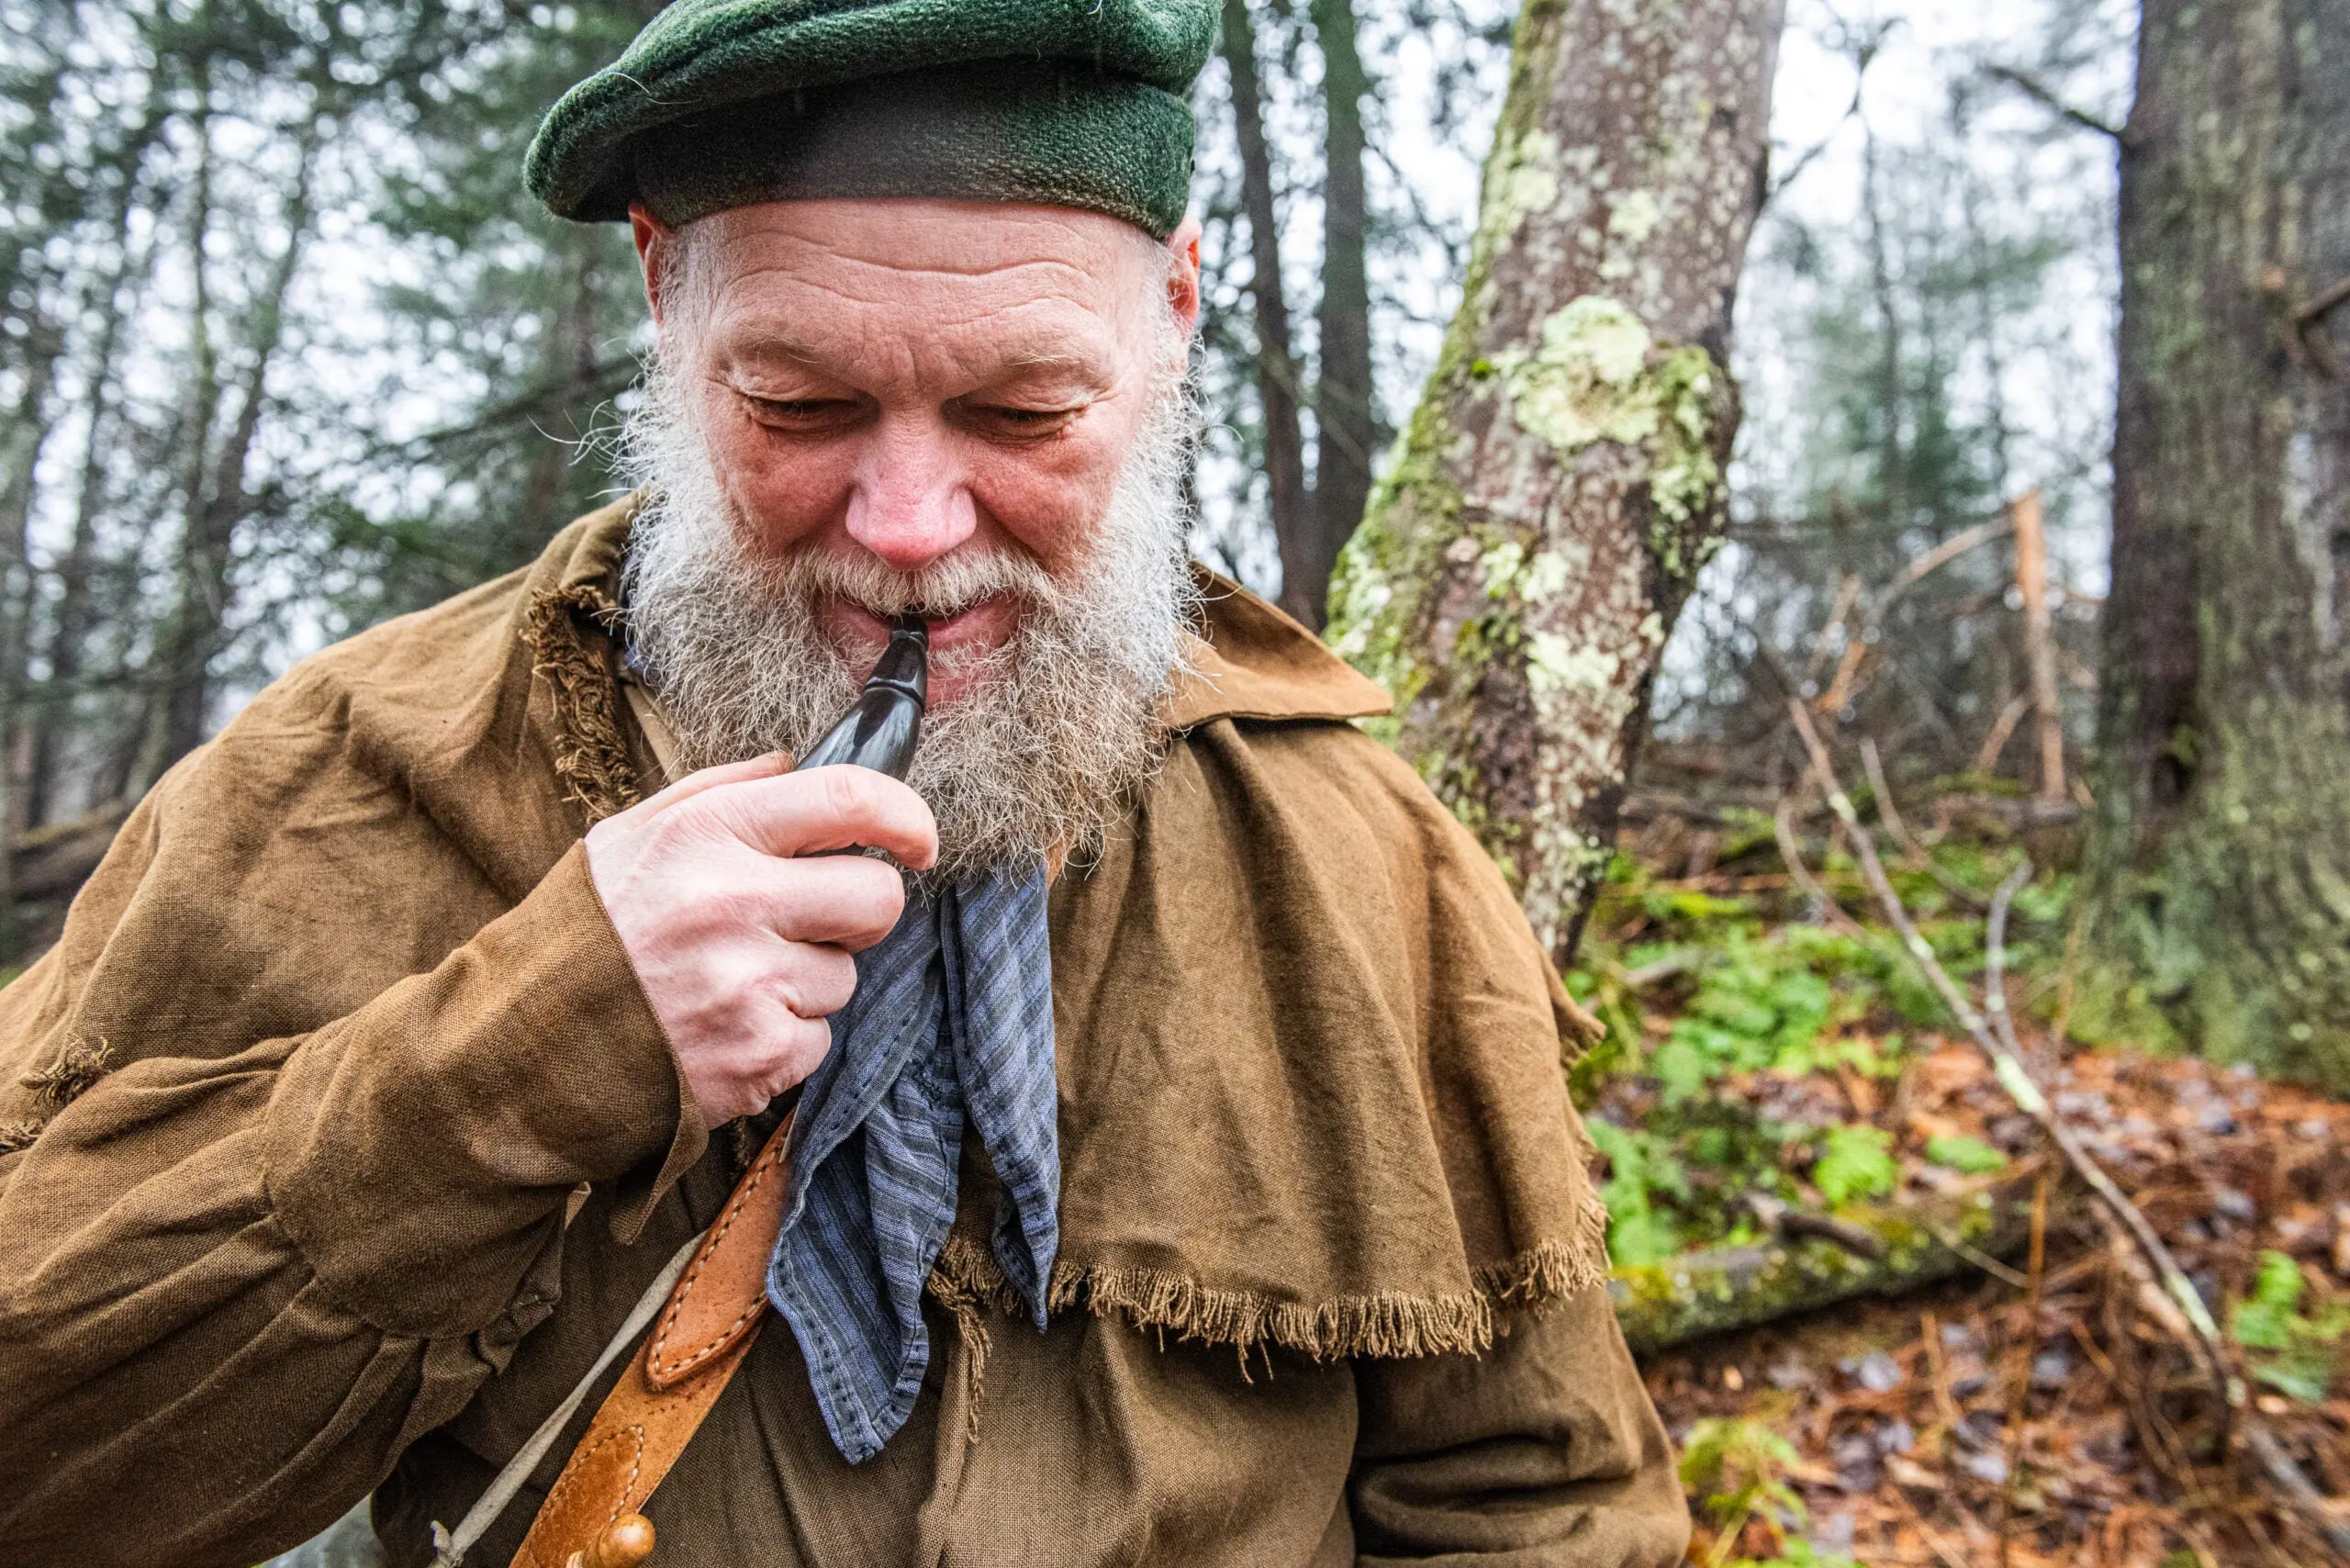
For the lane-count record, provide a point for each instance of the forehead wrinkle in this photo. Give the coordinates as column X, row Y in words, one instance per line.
column 977, row 270
column 730, row 302
column 863, row 280
column 974, row 345
column 948, row 235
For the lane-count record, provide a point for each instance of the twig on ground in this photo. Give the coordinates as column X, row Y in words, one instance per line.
column 2021, row 1357
column 1887, row 813
column 1983, row 1260
column 1938, row 1377
column 1926, row 1532
column 2268, row 1451
column 2202, row 1338
column 1786, row 1219
column 1678, row 962
column 1791, row 852
column 1995, row 958
column 1890, row 814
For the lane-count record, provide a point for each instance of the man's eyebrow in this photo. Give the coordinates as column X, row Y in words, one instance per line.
column 769, row 346
column 1045, row 359
column 773, row 348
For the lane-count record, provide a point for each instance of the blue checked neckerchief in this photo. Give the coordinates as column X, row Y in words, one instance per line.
column 952, row 1018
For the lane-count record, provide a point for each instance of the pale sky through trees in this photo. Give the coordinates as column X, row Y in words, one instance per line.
column 351, row 371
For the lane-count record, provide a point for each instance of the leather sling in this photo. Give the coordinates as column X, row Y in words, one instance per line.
column 712, row 1316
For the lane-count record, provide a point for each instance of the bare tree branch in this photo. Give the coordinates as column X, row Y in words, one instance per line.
column 2040, row 93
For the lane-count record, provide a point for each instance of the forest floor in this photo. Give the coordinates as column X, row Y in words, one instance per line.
column 1767, row 1038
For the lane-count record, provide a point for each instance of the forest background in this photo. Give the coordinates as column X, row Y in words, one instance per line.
column 284, row 350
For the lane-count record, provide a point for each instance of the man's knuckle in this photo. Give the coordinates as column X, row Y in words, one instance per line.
column 845, row 792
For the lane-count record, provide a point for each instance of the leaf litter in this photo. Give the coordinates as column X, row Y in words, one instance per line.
column 1752, row 1048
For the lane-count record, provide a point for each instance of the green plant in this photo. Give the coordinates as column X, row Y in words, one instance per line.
column 1967, row 1156
column 2297, row 1354
column 1641, row 1166
column 1796, row 1554
column 1737, row 1467
column 1855, row 1163
column 1697, row 1116
column 1762, row 1004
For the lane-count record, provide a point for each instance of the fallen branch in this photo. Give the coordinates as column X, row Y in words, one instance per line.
column 1890, row 814
column 1887, row 811
column 1791, row 852
column 1916, row 1243
column 2012, row 1074
column 1995, row 958
column 1784, row 1219
column 1680, row 961
column 2203, row 1331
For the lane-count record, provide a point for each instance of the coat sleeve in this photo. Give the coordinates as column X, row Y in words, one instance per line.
column 1543, row 1452
column 306, row 1109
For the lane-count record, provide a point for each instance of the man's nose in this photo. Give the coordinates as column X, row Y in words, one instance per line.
column 913, row 500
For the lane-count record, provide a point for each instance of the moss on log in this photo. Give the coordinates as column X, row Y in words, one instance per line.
column 1738, row 1287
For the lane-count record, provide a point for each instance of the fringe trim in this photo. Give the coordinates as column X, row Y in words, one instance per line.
column 56, row 1086
column 1386, row 1324
column 1550, row 1273
column 590, row 753
column 64, row 1080
column 964, row 1302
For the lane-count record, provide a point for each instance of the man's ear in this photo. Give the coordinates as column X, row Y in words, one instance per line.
column 654, row 250
column 1183, row 277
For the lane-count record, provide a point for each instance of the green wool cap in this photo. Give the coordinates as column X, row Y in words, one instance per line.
column 722, row 103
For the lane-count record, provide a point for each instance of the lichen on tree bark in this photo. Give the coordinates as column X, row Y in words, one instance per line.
column 2220, row 863
column 1561, row 480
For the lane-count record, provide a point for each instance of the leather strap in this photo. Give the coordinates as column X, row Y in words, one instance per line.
column 712, row 1318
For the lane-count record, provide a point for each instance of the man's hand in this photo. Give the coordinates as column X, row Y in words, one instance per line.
column 741, row 949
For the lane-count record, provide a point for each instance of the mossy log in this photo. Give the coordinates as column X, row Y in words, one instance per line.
column 1738, row 1287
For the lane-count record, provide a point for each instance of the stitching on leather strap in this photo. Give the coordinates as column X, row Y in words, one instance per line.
column 578, row 1466
column 661, row 1374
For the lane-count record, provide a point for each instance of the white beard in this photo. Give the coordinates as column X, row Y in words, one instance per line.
column 1054, row 730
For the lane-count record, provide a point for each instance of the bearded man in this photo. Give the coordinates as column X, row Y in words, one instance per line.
column 1177, row 1166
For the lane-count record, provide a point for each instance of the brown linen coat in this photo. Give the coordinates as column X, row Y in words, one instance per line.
column 345, row 1139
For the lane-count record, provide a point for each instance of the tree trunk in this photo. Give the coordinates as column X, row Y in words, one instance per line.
column 1345, row 420
column 72, row 622
column 35, row 420
column 2220, row 864
column 1561, row 480
column 220, row 503
column 180, row 638
column 73, row 618
column 1306, row 559
column 1893, row 466
column 2040, row 642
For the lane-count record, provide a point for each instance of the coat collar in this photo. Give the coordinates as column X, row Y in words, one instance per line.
column 1250, row 661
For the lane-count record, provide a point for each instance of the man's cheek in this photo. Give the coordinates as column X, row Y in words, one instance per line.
column 783, row 494
column 1051, row 504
